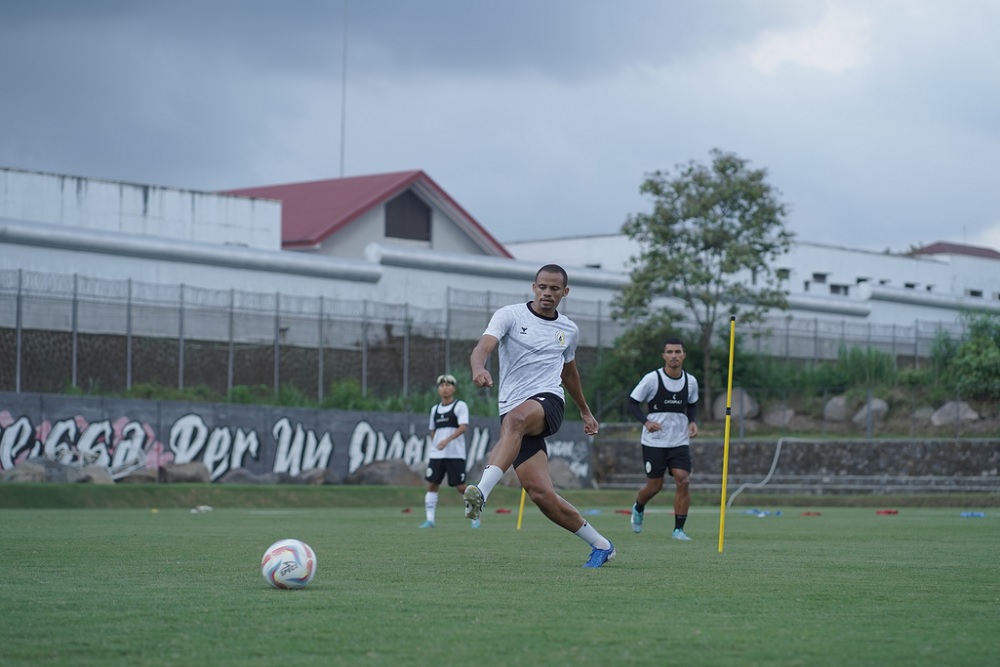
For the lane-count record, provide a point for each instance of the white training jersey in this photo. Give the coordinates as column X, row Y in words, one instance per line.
column 674, row 431
column 456, row 413
column 533, row 351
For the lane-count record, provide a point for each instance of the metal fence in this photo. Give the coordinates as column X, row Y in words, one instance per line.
column 61, row 331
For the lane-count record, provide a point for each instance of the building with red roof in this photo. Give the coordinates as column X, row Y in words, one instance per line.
column 339, row 217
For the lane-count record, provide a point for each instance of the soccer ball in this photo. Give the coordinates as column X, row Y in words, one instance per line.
column 288, row 564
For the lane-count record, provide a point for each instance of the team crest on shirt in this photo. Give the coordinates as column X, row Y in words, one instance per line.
column 561, row 338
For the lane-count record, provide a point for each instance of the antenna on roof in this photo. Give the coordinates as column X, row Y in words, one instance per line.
column 343, row 92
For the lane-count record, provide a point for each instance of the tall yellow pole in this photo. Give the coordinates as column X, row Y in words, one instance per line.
column 725, row 440
column 520, row 511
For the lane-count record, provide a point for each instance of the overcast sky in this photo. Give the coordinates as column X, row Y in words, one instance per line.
column 877, row 120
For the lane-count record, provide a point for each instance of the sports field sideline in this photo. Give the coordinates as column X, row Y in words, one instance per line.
column 813, row 586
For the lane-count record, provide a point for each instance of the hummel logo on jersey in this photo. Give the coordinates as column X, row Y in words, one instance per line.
column 524, row 330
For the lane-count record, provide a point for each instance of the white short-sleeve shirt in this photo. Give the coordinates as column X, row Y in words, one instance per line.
column 456, row 448
column 533, row 351
column 674, row 431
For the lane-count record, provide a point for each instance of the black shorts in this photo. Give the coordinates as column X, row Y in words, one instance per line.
column 436, row 468
column 658, row 460
column 532, row 444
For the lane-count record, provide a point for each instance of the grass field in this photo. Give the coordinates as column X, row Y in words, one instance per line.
column 848, row 587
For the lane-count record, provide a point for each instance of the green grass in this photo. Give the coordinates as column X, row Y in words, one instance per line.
column 849, row 587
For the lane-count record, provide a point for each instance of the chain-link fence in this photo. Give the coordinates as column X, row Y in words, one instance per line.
column 100, row 335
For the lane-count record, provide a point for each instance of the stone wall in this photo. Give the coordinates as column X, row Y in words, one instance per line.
column 834, row 465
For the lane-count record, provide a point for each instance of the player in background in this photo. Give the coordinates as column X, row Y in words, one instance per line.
column 537, row 348
column 671, row 395
column 449, row 421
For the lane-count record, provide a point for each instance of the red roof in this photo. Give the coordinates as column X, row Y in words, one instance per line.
column 313, row 211
column 945, row 248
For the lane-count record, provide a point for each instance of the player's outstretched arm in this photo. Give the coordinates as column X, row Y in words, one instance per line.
column 571, row 381
column 477, row 360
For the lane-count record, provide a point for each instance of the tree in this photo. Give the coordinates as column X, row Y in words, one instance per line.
column 710, row 244
column 975, row 367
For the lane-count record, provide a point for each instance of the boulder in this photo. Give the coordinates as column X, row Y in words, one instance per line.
column 836, row 409
column 194, row 472
column 394, row 472
column 143, row 476
column 779, row 417
column 310, row 477
column 26, row 471
column 876, row 407
column 246, row 476
column 954, row 412
column 744, row 406
column 95, row 474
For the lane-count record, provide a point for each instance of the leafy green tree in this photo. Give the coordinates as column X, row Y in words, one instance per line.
column 708, row 245
column 975, row 368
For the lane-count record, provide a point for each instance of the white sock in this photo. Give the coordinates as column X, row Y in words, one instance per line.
column 491, row 477
column 430, row 504
column 589, row 534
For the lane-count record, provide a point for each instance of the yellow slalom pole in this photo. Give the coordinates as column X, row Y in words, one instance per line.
column 725, row 440
column 520, row 511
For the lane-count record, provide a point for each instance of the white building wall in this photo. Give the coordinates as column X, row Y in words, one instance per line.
column 868, row 286
column 146, row 210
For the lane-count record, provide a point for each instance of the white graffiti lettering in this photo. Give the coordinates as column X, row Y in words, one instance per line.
column 246, row 444
column 187, row 437
column 298, row 448
column 92, row 447
column 15, row 439
column 59, row 442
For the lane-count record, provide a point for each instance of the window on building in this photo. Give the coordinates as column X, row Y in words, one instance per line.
column 407, row 217
column 929, row 288
column 842, row 290
column 819, row 278
column 910, row 285
column 883, row 281
column 861, row 280
column 805, row 286
column 783, row 274
column 977, row 293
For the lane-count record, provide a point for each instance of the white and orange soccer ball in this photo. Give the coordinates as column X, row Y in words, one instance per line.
column 288, row 564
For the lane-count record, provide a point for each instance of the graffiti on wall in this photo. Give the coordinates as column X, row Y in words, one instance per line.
column 124, row 445
column 124, row 436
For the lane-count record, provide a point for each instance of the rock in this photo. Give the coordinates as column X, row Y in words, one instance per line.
column 779, row 417
column 878, row 409
column 186, row 473
column 836, row 409
column 744, row 406
column 954, row 412
column 144, row 476
column 394, row 472
column 26, row 471
column 310, row 477
column 95, row 474
column 245, row 476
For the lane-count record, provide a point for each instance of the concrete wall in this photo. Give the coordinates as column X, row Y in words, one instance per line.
column 144, row 210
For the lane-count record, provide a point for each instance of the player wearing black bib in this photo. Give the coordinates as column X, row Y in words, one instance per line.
column 448, row 423
column 668, row 424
